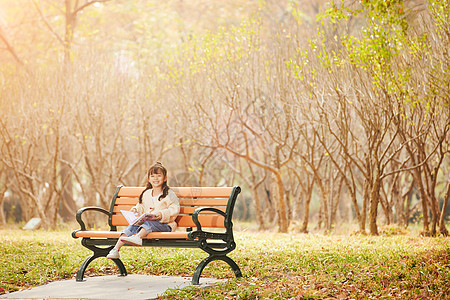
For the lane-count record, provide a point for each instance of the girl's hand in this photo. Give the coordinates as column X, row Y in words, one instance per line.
column 158, row 215
column 133, row 209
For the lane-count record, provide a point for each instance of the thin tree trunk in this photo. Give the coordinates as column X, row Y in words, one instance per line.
column 283, row 218
column 364, row 209
column 442, row 229
column 335, row 203
column 258, row 211
column 374, row 200
column 306, row 205
column 2, row 201
column 424, row 201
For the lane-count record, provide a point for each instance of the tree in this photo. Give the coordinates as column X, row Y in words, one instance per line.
column 373, row 56
column 31, row 146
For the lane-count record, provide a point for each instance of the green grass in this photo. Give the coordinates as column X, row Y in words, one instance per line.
column 275, row 266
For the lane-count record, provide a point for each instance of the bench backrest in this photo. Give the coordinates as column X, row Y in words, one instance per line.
column 191, row 198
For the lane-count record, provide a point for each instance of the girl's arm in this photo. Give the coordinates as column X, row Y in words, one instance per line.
column 169, row 214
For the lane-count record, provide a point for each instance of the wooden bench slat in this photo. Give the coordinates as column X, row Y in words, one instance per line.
column 117, row 209
column 182, row 221
column 130, row 191
column 182, row 192
column 189, row 210
column 206, row 221
column 202, row 192
column 203, row 202
column 183, row 201
column 184, row 210
column 126, row 201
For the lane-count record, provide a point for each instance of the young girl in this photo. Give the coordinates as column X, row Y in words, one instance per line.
column 158, row 199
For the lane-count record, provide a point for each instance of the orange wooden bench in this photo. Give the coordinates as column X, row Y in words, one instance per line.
column 200, row 208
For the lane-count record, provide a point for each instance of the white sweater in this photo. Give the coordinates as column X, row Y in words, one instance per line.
column 168, row 206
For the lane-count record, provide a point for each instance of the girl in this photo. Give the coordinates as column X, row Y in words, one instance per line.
column 158, row 199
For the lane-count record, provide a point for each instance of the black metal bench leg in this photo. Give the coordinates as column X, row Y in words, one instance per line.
column 82, row 269
column 120, row 265
column 99, row 252
column 206, row 261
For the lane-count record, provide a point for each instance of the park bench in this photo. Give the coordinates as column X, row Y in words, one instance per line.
column 201, row 208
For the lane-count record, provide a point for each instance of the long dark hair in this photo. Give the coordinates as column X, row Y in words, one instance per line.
column 154, row 169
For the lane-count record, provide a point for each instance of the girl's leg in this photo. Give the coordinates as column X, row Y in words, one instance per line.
column 119, row 243
column 114, row 253
column 142, row 233
column 156, row 226
column 136, row 240
column 148, row 226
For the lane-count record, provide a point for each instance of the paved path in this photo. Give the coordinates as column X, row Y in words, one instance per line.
column 108, row 287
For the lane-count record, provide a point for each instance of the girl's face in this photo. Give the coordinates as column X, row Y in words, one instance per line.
column 157, row 179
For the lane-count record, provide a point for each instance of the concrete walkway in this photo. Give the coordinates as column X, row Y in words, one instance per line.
column 108, row 287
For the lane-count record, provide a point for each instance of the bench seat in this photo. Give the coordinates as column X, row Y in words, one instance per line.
column 116, row 235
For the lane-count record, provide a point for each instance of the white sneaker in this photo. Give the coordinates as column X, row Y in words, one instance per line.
column 114, row 253
column 132, row 240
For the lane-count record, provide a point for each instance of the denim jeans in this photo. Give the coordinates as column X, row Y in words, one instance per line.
column 149, row 226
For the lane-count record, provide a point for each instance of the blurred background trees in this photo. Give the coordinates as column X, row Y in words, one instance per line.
column 327, row 114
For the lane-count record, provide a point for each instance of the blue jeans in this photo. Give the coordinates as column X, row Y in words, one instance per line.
column 149, row 226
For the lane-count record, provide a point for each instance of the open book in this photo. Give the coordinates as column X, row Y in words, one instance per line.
column 136, row 219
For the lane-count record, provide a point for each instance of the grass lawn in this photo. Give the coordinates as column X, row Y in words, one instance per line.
column 275, row 266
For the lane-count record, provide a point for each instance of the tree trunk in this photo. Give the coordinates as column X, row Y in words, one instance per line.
column 352, row 191
column 324, row 207
column 396, row 197
column 364, row 208
column 374, row 200
column 442, row 228
column 335, row 203
column 435, row 213
column 387, row 210
column 258, row 211
column 306, row 204
column 401, row 207
column 67, row 205
column 283, row 222
column 423, row 200
column 2, row 210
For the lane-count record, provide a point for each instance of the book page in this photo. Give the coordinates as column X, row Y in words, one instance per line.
column 135, row 218
column 130, row 216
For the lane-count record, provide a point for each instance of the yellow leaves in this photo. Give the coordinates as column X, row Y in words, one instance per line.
column 192, row 169
column 18, row 137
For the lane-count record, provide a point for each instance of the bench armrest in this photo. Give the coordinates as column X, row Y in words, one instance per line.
column 199, row 210
column 203, row 236
column 82, row 210
column 199, row 233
